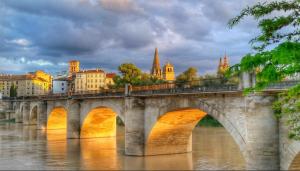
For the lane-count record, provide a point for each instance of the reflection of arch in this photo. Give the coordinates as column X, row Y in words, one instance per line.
column 20, row 116
column 57, row 118
column 106, row 154
column 179, row 123
column 99, row 122
column 33, row 115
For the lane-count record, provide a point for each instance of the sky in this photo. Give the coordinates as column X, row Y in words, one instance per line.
column 46, row 34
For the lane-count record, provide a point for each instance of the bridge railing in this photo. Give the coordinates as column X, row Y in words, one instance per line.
column 165, row 88
column 283, row 84
column 184, row 89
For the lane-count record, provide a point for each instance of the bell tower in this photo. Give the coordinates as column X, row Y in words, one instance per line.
column 168, row 72
column 74, row 66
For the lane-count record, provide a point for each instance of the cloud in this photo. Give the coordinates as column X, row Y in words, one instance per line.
column 105, row 33
column 20, row 42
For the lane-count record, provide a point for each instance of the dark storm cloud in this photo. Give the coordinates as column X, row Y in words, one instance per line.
column 105, row 33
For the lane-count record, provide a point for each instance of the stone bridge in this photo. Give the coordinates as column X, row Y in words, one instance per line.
column 162, row 123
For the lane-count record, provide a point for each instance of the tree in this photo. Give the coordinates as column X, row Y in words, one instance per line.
column 189, row 76
column 13, row 91
column 279, row 24
column 131, row 74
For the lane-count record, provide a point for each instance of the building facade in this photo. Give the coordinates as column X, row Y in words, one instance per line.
column 168, row 72
column 74, row 67
column 31, row 84
column 90, row 80
column 109, row 80
column 60, row 86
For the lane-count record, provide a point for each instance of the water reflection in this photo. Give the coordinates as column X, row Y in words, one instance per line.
column 26, row 148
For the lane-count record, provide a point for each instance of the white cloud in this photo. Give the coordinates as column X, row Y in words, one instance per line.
column 21, row 42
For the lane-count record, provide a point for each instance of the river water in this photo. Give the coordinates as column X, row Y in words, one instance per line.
column 24, row 147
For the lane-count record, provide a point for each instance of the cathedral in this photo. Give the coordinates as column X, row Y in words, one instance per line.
column 223, row 66
column 167, row 73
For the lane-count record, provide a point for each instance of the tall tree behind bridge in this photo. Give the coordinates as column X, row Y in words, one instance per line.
column 279, row 24
column 13, row 91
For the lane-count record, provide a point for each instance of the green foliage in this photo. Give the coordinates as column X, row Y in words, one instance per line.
column 274, row 28
column 209, row 121
column 13, row 91
column 279, row 24
column 131, row 74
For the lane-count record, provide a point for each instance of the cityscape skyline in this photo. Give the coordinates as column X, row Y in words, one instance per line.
column 201, row 38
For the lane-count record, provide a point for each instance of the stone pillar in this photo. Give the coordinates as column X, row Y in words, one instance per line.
column 262, row 134
column 42, row 115
column 73, row 119
column 26, row 113
column 246, row 83
column 18, row 113
column 134, row 126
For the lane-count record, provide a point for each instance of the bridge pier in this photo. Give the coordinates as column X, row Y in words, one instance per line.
column 73, row 119
column 262, row 134
column 42, row 115
column 18, row 115
column 134, row 126
column 26, row 113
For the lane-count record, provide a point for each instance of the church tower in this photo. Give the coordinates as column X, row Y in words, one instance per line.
column 168, row 72
column 223, row 66
column 74, row 66
column 156, row 70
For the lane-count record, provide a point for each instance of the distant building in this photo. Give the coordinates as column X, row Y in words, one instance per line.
column 90, row 80
column 60, row 85
column 156, row 70
column 168, row 72
column 74, row 66
column 109, row 80
column 223, row 66
column 31, row 84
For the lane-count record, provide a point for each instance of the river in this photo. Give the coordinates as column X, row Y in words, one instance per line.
column 24, row 147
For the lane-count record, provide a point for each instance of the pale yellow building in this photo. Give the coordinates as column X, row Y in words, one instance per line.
column 90, row 80
column 31, row 84
column 109, row 80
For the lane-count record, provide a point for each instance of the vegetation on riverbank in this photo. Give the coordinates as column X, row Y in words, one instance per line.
column 8, row 121
column 209, row 121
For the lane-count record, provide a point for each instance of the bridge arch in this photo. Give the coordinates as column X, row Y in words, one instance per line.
column 295, row 163
column 98, row 117
column 179, row 117
column 57, row 118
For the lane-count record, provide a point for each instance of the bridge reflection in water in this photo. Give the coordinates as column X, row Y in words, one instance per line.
column 213, row 148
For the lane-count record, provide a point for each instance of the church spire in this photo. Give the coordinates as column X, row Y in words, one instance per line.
column 156, row 70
